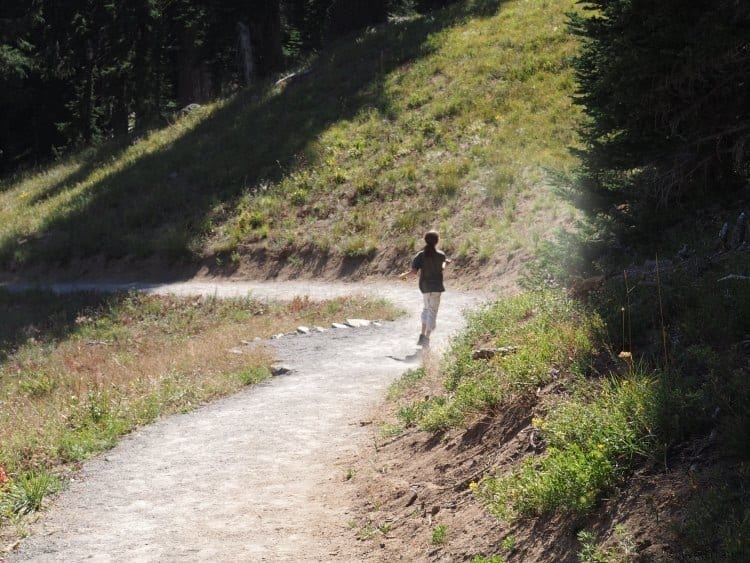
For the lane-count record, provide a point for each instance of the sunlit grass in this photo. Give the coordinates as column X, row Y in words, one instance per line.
column 26, row 205
column 593, row 440
column 458, row 122
column 544, row 334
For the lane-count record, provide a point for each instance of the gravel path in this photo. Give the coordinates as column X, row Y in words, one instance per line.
column 254, row 477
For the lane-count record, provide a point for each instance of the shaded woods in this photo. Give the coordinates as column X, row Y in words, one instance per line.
column 75, row 73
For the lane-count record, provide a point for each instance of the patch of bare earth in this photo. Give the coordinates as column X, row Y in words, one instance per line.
column 404, row 488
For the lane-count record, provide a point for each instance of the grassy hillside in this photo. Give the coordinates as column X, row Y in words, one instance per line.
column 454, row 121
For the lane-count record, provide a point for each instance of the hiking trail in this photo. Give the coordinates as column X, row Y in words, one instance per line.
column 257, row 476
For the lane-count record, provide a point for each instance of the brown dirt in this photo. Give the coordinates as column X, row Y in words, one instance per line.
column 499, row 275
column 409, row 485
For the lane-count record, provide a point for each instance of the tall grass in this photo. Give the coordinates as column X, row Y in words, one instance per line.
column 546, row 336
column 592, row 441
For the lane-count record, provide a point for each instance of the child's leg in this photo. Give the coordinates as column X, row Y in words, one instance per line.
column 429, row 313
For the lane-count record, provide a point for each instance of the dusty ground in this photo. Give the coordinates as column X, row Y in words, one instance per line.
column 406, row 487
column 260, row 476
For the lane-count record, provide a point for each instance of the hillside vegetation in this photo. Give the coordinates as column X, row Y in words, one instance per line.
column 454, row 120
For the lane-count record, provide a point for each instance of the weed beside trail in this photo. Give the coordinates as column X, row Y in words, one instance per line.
column 78, row 371
column 640, row 386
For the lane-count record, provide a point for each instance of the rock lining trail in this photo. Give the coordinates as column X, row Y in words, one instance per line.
column 260, row 475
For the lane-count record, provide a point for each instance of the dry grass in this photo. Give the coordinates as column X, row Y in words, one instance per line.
column 95, row 370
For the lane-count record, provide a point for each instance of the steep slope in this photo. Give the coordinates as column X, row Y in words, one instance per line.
column 454, row 121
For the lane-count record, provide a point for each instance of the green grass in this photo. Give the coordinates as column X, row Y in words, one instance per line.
column 592, row 441
column 462, row 116
column 549, row 334
column 26, row 493
column 439, row 535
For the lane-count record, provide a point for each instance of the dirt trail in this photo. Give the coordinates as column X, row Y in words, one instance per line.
column 258, row 476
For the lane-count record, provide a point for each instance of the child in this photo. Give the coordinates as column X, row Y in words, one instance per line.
column 429, row 262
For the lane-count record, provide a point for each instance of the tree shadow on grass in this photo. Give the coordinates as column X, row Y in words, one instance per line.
column 162, row 203
column 43, row 317
column 90, row 161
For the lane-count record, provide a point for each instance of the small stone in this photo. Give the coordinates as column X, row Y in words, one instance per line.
column 358, row 323
column 318, row 329
column 303, row 330
column 280, row 370
column 484, row 353
column 277, row 336
column 339, row 325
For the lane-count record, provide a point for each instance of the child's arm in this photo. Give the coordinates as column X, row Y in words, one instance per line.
column 407, row 273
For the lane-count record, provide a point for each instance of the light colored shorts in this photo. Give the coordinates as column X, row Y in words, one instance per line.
column 429, row 313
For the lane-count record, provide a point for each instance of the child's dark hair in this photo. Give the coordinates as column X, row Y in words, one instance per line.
column 431, row 238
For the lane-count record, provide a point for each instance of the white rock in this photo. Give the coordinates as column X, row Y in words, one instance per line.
column 303, row 330
column 339, row 325
column 358, row 323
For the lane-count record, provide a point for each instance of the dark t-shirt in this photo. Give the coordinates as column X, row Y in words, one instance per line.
column 430, row 271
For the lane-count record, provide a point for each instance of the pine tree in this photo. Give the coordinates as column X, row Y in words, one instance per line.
column 664, row 87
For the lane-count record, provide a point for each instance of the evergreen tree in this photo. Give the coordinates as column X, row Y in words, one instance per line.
column 345, row 16
column 80, row 71
column 664, row 84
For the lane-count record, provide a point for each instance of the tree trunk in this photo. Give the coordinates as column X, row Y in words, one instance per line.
column 244, row 53
column 120, row 111
column 266, row 29
column 194, row 84
column 87, row 99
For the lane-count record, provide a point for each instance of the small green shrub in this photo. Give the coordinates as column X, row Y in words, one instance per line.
column 360, row 246
column 590, row 551
column 439, row 534
column 407, row 380
column 500, row 186
column 252, row 375
column 299, row 197
column 38, row 383
column 592, row 444
column 27, row 492
column 410, row 220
